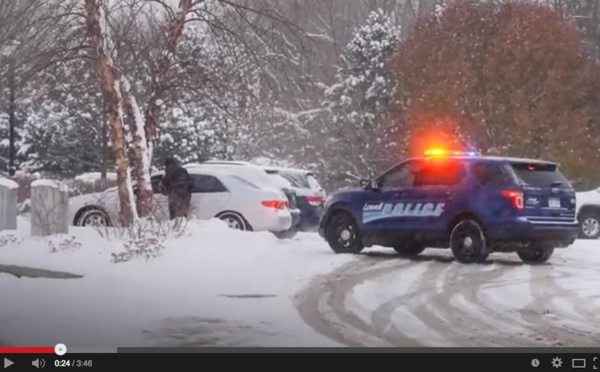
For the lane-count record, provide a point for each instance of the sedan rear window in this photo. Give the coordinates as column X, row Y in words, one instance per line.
column 243, row 181
column 297, row 180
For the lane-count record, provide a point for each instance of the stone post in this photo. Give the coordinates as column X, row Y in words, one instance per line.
column 49, row 208
column 8, row 204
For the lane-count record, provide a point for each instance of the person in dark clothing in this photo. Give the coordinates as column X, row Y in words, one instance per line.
column 177, row 186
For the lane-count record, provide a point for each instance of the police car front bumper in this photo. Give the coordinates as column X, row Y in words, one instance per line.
column 558, row 233
column 321, row 227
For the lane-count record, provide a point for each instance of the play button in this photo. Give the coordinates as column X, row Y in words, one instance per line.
column 8, row 363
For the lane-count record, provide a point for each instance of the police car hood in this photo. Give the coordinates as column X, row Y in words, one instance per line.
column 348, row 190
column 342, row 194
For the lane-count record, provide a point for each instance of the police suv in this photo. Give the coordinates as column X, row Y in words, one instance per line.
column 467, row 202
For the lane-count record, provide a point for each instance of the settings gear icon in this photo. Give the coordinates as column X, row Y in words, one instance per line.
column 556, row 362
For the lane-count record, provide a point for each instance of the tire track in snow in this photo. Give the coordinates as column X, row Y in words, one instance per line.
column 336, row 321
column 543, row 314
column 470, row 322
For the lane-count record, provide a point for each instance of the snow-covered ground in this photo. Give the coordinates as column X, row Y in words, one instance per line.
column 434, row 301
column 212, row 287
column 218, row 287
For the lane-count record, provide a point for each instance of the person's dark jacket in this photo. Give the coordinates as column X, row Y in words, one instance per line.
column 176, row 179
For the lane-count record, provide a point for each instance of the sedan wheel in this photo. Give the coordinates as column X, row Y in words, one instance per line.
column 234, row 221
column 94, row 218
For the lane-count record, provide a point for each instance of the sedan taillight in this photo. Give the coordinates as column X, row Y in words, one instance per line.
column 275, row 204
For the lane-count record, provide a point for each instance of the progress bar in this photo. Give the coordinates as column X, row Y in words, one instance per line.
column 57, row 350
column 92, row 350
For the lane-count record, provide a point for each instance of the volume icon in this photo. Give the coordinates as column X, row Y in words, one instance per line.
column 39, row 363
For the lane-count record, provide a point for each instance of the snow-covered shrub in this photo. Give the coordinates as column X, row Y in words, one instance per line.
column 61, row 243
column 146, row 248
column 145, row 238
column 5, row 239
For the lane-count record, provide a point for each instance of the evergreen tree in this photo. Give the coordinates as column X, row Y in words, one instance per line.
column 360, row 130
column 63, row 131
column 214, row 98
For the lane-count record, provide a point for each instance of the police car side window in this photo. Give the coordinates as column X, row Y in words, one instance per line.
column 492, row 174
column 445, row 173
column 401, row 176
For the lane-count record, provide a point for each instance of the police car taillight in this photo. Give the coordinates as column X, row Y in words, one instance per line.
column 516, row 197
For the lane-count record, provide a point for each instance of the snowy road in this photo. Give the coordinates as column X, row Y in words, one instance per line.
column 383, row 300
column 217, row 287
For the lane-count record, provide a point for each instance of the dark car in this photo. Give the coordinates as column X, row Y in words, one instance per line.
column 310, row 196
column 469, row 203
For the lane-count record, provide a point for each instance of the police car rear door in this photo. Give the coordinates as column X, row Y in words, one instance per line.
column 436, row 194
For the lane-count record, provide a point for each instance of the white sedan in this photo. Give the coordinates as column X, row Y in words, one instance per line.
column 216, row 193
column 588, row 214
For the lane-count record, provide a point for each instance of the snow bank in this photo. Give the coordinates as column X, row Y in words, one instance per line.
column 93, row 177
column 9, row 184
column 212, row 280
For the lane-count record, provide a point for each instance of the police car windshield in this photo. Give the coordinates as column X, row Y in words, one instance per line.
column 539, row 174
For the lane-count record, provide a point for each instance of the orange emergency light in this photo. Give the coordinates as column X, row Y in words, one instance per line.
column 437, row 152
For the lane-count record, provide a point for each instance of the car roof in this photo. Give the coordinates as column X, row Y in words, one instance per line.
column 500, row 159
column 228, row 162
column 192, row 169
column 304, row 172
column 255, row 174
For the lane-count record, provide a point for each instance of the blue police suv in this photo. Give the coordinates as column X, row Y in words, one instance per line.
column 472, row 204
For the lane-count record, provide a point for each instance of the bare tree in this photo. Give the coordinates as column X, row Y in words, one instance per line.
column 110, row 78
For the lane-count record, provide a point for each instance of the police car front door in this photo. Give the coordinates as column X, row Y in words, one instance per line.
column 436, row 194
column 385, row 208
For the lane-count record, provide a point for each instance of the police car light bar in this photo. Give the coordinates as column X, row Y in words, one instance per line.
column 442, row 152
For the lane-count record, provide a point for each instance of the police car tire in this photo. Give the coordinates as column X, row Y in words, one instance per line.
column 538, row 254
column 334, row 228
column 475, row 232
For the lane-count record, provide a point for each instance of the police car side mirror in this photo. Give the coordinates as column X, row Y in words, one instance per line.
column 369, row 184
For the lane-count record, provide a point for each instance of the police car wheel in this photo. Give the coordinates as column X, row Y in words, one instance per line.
column 342, row 234
column 468, row 242
column 410, row 249
column 535, row 254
